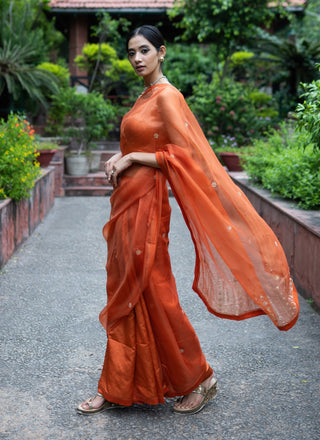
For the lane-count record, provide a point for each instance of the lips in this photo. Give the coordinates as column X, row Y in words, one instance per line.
column 139, row 68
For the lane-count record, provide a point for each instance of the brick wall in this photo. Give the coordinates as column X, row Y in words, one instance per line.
column 298, row 232
column 19, row 219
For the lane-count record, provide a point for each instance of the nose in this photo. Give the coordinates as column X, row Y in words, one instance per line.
column 137, row 57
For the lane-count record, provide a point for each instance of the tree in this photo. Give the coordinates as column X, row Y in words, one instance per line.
column 107, row 29
column 26, row 39
column 293, row 60
column 227, row 23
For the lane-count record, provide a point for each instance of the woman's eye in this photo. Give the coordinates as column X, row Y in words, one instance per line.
column 130, row 54
column 144, row 51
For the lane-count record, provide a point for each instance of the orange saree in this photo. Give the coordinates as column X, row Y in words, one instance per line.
column 240, row 271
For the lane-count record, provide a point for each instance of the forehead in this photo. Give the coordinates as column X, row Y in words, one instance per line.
column 138, row 41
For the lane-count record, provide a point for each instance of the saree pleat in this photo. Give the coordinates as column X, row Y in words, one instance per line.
column 152, row 349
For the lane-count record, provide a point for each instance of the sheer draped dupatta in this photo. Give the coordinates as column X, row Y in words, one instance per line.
column 241, row 270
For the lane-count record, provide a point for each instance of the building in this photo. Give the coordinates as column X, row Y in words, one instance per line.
column 75, row 17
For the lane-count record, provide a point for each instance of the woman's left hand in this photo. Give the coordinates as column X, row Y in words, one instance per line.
column 122, row 164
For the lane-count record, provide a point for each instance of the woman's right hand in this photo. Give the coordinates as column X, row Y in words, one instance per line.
column 109, row 164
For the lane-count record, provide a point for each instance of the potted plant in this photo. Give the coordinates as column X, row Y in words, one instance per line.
column 46, row 151
column 228, row 152
column 81, row 119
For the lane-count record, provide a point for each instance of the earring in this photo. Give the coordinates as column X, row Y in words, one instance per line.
column 161, row 59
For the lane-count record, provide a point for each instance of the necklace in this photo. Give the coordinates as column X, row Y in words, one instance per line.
column 153, row 83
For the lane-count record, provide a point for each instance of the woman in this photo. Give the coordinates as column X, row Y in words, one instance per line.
column 241, row 270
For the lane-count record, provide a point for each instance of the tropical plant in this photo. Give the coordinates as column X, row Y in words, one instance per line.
column 26, row 38
column 291, row 60
column 18, row 166
column 25, row 23
column 19, row 74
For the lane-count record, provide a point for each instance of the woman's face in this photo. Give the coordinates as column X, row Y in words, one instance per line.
column 145, row 59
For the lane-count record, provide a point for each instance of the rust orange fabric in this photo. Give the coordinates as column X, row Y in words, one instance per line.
column 240, row 272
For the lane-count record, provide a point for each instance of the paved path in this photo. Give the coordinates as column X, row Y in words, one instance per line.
column 52, row 347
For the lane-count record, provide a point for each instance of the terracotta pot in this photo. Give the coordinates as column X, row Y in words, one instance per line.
column 45, row 157
column 231, row 160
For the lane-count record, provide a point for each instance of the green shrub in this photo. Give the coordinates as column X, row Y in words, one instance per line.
column 230, row 109
column 18, row 166
column 241, row 64
column 308, row 113
column 287, row 164
column 90, row 55
column 61, row 73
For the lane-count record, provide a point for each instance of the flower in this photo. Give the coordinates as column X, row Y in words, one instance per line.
column 20, row 169
column 222, row 109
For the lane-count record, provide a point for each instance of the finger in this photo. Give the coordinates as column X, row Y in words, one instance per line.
column 108, row 170
column 114, row 176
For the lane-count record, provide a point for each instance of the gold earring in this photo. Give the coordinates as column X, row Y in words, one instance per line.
column 161, row 59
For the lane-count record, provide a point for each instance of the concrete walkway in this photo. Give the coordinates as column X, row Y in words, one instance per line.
column 52, row 347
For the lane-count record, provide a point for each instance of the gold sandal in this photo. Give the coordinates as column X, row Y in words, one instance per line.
column 106, row 405
column 207, row 393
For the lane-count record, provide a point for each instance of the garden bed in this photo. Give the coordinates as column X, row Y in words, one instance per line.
column 297, row 230
column 19, row 219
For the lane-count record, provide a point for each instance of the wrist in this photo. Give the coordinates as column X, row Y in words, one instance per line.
column 132, row 158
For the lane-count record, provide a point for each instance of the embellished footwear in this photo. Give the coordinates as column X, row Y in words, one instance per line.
column 106, row 405
column 207, row 393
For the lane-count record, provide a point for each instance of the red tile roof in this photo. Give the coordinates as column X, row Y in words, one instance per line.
column 111, row 4
column 138, row 4
column 290, row 3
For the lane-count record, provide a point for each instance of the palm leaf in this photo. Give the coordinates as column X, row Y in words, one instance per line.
column 19, row 73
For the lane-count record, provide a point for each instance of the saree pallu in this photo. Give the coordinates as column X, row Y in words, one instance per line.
column 152, row 350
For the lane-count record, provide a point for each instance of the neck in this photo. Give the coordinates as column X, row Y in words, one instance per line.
column 147, row 84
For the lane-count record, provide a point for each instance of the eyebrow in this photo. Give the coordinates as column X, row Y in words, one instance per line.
column 140, row 47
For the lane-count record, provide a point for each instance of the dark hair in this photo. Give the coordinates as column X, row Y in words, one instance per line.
column 151, row 33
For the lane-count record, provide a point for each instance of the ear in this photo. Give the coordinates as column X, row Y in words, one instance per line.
column 162, row 51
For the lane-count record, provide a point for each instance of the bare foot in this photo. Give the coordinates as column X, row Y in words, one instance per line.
column 193, row 399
